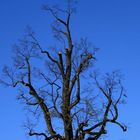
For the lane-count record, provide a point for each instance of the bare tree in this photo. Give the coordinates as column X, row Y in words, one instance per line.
column 61, row 91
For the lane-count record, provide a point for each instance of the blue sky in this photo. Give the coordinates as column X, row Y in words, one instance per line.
column 111, row 25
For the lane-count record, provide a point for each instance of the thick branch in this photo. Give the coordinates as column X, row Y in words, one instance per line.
column 38, row 134
column 43, row 107
column 77, row 95
column 44, row 135
column 79, row 70
column 61, row 64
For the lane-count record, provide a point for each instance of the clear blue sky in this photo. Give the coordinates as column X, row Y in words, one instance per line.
column 111, row 25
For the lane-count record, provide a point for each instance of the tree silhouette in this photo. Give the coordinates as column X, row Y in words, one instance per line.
column 67, row 89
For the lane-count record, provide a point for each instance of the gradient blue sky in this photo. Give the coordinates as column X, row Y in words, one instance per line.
column 111, row 25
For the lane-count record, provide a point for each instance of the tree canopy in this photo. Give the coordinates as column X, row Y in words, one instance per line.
column 61, row 86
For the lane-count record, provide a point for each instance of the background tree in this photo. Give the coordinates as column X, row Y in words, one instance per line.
column 67, row 89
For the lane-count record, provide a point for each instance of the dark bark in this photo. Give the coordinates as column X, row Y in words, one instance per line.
column 64, row 87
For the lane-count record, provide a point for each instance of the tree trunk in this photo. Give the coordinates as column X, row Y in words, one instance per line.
column 66, row 112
